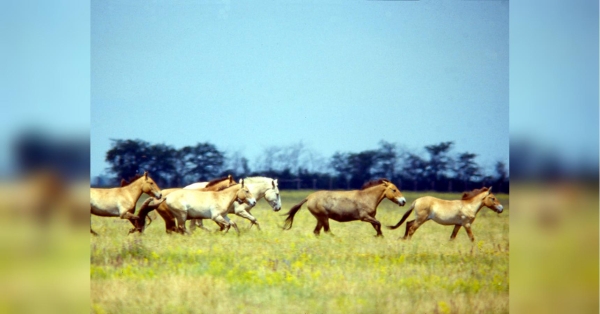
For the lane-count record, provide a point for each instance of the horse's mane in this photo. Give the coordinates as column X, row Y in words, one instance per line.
column 225, row 187
column 216, row 181
column 131, row 180
column 373, row 183
column 475, row 192
column 258, row 178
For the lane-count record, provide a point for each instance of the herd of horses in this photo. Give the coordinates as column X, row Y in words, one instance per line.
column 217, row 198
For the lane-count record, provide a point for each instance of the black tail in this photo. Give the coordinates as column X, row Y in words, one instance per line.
column 403, row 217
column 290, row 219
column 145, row 209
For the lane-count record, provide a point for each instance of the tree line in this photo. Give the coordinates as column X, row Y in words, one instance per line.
column 298, row 167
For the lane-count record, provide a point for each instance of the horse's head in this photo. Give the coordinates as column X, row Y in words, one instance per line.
column 491, row 202
column 272, row 196
column 150, row 187
column 393, row 194
column 244, row 196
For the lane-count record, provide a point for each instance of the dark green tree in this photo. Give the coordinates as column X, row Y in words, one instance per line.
column 203, row 162
column 127, row 158
column 439, row 162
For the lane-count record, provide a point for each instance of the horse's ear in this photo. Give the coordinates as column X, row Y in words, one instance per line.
column 273, row 182
column 230, row 178
column 146, row 175
column 489, row 191
column 242, row 182
column 385, row 182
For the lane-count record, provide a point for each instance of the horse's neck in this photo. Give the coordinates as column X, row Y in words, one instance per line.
column 258, row 190
column 230, row 196
column 133, row 190
column 373, row 195
column 473, row 206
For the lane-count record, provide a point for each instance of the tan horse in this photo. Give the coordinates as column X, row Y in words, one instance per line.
column 192, row 204
column 120, row 202
column 260, row 187
column 345, row 206
column 460, row 213
column 163, row 210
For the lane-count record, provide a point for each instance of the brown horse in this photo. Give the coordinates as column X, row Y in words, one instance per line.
column 345, row 206
column 460, row 213
column 120, row 202
column 163, row 210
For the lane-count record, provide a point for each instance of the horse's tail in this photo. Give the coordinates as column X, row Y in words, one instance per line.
column 145, row 209
column 290, row 215
column 412, row 207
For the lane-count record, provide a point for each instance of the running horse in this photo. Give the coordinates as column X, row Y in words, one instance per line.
column 260, row 187
column 163, row 210
column 460, row 213
column 120, row 202
column 345, row 206
column 193, row 204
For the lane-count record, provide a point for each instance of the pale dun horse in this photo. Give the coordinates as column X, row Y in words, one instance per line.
column 163, row 210
column 193, row 204
column 460, row 213
column 120, row 202
column 260, row 187
column 345, row 206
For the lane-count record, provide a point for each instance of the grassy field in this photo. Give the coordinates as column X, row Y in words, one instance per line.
column 275, row 271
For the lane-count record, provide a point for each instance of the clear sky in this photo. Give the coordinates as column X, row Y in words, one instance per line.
column 338, row 76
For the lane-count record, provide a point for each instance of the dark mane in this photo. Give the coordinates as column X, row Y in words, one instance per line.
column 131, row 180
column 226, row 187
column 471, row 194
column 216, row 181
column 373, row 183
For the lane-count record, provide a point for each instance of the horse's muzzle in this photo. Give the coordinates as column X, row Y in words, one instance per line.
column 499, row 208
column 251, row 202
column 157, row 195
column 401, row 201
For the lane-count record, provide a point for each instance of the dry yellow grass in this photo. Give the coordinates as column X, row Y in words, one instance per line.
column 293, row 271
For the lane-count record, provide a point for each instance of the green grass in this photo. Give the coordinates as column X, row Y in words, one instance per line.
column 275, row 271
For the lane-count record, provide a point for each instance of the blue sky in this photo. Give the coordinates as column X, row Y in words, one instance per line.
column 336, row 76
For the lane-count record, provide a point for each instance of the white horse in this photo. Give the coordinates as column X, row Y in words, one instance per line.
column 187, row 204
column 260, row 187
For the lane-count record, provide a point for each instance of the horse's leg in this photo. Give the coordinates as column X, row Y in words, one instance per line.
column 454, row 232
column 375, row 223
column 416, row 224
column 318, row 227
column 222, row 222
column 408, row 225
column 244, row 214
column 181, row 218
column 192, row 225
column 232, row 223
column 200, row 225
column 326, row 225
column 468, row 229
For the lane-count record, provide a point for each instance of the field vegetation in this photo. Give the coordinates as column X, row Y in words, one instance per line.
column 276, row 271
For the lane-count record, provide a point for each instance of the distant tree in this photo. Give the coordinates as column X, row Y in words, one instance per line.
column 339, row 162
column 127, row 157
column 501, row 176
column 203, row 162
column 466, row 168
column 414, row 169
column 439, row 162
column 161, row 160
column 386, row 160
column 362, row 165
